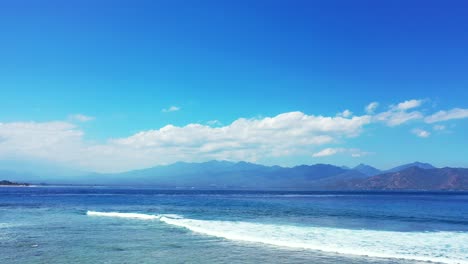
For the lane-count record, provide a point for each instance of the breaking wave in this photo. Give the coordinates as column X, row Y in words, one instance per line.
column 446, row 247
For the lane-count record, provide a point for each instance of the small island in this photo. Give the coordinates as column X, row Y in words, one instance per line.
column 9, row 183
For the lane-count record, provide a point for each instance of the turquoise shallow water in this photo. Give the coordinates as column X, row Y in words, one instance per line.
column 128, row 225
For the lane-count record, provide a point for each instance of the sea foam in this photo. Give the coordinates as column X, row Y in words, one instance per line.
column 446, row 247
column 124, row 215
column 133, row 215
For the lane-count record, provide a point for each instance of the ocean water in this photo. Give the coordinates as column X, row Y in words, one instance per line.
column 130, row 225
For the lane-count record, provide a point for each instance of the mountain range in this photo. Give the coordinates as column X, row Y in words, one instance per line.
column 244, row 175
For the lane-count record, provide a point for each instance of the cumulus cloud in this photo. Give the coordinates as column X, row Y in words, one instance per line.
column 246, row 139
column 214, row 123
column 333, row 151
column 421, row 133
column 370, row 108
column 293, row 127
column 293, row 133
column 171, row 109
column 48, row 140
column 81, row 118
column 456, row 113
column 346, row 113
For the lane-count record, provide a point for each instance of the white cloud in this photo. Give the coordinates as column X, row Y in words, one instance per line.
column 245, row 139
column 171, row 109
column 370, row 108
column 438, row 127
column 409, row 104
column 292, row 134
column 355, row 153
column 291, row 127
column 421, row 133
column 327, row 152
column 346, row 113
column 456, row 113
column 81, row 118
column 392, row 118
column 214, row 123
column 287, row 134
column 48, row 140
column 398, row 115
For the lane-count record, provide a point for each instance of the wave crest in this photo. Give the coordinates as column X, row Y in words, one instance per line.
column 446, row 247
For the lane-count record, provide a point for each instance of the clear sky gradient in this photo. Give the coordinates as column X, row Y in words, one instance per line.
column 91, row 84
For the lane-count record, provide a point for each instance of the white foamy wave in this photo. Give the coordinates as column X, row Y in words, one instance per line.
column 445, row 247
column 133, row 215
column 172, row 216
column 124, row 215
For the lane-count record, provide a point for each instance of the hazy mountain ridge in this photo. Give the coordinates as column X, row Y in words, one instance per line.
column 417, row 164
column 244, row 175
column 416, row 178
column 367, row 170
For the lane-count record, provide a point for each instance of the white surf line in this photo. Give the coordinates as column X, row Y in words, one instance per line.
column 124, row 215
column 315, row 238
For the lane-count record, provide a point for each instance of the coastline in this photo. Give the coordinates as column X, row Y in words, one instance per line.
column 19, row 185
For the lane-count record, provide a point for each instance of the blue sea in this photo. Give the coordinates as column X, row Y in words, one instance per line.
column 135, row 225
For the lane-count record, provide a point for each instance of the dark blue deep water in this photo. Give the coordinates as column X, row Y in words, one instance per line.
column 131, row 225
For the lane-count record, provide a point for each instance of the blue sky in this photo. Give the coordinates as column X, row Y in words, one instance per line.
column 122, row 63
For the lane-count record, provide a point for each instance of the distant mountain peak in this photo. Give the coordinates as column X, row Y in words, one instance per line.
column 245, row 163
column 222, row 174
column 417, row 178
column 216, row 162
column 417, row 164
column 362, row 165
column 423, row 165
column 367, row 170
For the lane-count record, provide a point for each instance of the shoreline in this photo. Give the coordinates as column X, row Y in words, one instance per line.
column 19, row 185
